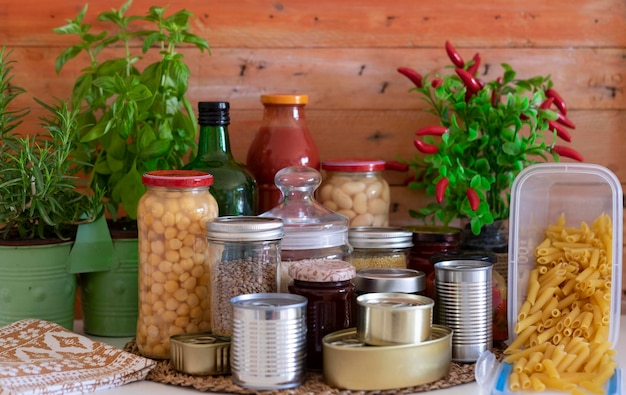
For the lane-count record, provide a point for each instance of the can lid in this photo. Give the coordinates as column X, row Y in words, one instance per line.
column 244, row 228
column 268, row 301
column 380, row 237
column 177, row 178
column 395, row 300
column 472, row 255
column 389, row 280
column 283, row 98
column 435, row 233
column 463, row 265
column 353, row 164
column 321, row 270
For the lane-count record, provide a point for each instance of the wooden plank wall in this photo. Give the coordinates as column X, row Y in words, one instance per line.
column 344, row 54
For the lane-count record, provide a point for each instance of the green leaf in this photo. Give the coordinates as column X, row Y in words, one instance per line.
column 155, row 148
column 511, row 148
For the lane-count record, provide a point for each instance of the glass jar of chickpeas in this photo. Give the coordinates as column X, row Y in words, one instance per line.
column 380, row 247
column 173, row 267
column 356, row 189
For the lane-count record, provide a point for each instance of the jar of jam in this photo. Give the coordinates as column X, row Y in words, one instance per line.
column 428, row 240
column 173, row 269
column 356, row 189
column 379, row 247
column 244, row 253
column 328, row 287
column 311, row 230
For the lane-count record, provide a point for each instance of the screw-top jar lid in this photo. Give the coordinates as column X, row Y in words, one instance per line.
column 177, row 178
column 380, row 237
column 353, row 164
column 389, row 280
column 435, row 233
column 244, row 228
column 279, row 98
column 321, row 270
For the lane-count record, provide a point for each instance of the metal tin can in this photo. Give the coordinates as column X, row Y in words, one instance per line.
column 244, row 254
column 393, row 318
column 351, row 364
column 380, row 247
column 464, row 303
column 200, row 353
column 389, row 280
column 268, row 350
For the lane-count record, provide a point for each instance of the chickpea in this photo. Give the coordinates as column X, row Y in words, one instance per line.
column 173, row 276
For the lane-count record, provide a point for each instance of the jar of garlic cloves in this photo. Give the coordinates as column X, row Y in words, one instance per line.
column 174, row 276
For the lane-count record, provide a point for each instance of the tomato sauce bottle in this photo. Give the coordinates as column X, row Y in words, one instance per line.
column 283, row 140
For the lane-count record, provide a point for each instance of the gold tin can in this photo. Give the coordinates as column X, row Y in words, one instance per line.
column 390, row 318
column 353, row 365
column 200, row 354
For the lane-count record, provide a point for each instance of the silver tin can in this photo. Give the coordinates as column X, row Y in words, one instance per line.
column 464, row 304
column 268, row 345
column 389, row 280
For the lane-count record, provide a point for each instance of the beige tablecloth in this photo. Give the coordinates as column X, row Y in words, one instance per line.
column 40, row 357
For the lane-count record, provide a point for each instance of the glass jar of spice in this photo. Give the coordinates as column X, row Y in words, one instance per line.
column 173, row 272
column 244, row 253
column 328, row 287
column 380, row 247
column 428, row 240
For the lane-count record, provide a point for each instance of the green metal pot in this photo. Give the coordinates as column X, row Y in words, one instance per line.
column 35, row 283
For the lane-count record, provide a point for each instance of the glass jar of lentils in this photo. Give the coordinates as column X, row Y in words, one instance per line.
column 244, row 254
column 173, row 271
column 380, row 247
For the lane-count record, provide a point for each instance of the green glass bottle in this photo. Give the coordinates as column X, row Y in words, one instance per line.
column 234, row 186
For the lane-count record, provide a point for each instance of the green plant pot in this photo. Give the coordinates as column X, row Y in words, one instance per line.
column 35, row 283
column 110, row 298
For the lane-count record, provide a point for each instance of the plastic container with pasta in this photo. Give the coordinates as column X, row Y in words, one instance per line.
column 565, row 250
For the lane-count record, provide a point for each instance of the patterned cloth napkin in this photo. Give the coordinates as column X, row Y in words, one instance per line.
column 40, row 357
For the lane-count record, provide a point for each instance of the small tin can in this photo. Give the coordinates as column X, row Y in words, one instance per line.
column 378, row 280
column 380, row 247
column 200, row 354
column 269, row 341
column 464, row 304
column 393, row 318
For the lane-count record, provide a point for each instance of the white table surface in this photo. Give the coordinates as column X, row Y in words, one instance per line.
column 152, row 388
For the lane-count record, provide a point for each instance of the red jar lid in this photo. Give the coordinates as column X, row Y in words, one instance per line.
column 177, row 178
column 321, row 270
column 353, row 164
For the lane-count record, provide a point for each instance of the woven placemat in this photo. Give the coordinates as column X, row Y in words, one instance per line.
column 314, row 383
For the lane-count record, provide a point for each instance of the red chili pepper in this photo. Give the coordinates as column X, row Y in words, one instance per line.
column 470, row 82
column 474, row 67
column 396, row 166
column 454, row 56
column 411, row 74
column 558, row 100
column 433, row 130
column 473, row 198
column 409, row 179
column 436, row 83
column 440, row 189
column 425, row 148
column 546, row 103
column 563, row 120
column 568, row 152
column 560, row 131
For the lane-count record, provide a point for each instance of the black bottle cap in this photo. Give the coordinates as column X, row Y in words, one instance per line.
column 213, row 113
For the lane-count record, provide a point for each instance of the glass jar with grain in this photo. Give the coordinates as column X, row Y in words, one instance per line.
column 244, row 254
column 380, row 247
column 173, row 270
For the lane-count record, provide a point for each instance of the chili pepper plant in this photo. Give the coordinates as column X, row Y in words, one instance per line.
column 488, row 132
